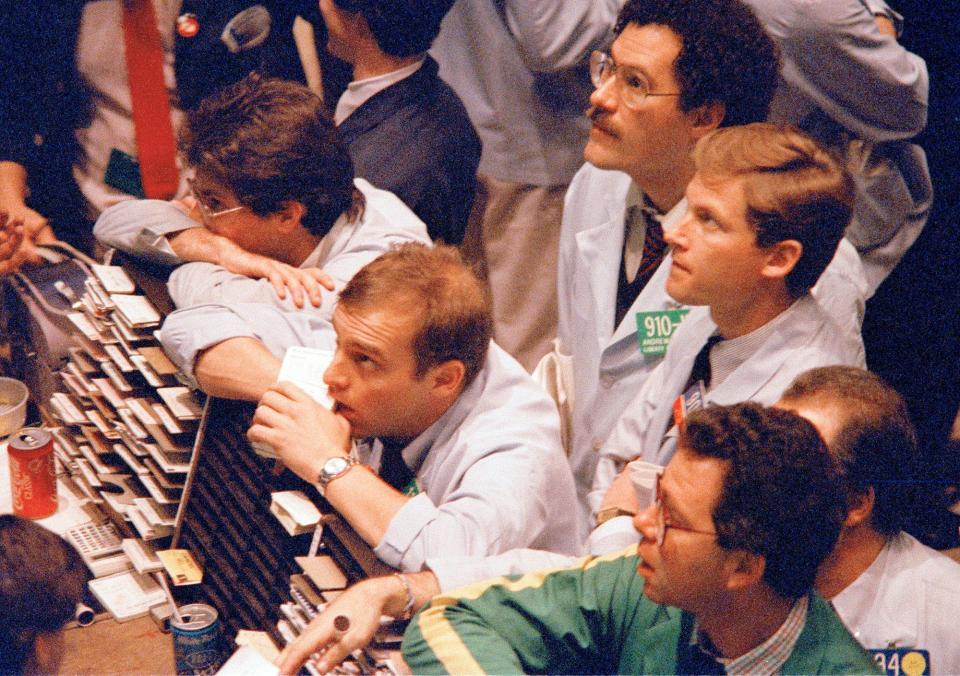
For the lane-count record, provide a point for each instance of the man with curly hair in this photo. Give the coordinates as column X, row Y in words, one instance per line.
column 276, row 212
column 676, row 71
column 721, row 582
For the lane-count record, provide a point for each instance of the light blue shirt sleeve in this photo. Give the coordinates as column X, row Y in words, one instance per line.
column 481, row 515
column 835, row 54
column 140, row 228
column 188, row 332
column 552, row 35
column 453, row 572
column 199, row 283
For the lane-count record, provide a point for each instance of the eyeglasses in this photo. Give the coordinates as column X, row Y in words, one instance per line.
column 206, row 212
column 632, row 88
column 663, row 523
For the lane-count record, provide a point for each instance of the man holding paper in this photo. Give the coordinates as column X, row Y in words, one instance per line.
column 439, row 443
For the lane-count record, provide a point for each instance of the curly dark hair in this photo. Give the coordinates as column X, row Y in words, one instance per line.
column 436, row 283
column 782, row 496
column 875, row 442
column 727, row 56
column 400, row 27
column 41, row 582
column 270, row 141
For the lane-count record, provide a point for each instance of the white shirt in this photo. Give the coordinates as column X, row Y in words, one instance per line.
column 360, row 91
column 492, row 474
column 909, row 597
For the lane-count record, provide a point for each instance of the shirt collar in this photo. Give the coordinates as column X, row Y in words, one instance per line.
column 360, row 91
column 768, row 657
column 727, row 355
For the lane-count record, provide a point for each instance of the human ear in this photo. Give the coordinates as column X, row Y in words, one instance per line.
column 290, row 216
column 745, row 569
column 448, row 378
column 706, row 118
column 782, row 258
column 859, row 508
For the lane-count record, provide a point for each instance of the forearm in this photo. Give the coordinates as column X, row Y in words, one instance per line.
column 146, row 228
column 199, row 244
column 238, row 368
column 188, row 334
column 366, row 502
column 395, row 597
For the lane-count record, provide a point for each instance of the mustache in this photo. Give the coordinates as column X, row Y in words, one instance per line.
column 599, row 118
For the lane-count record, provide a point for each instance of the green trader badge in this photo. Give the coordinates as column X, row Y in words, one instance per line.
column 654, row 329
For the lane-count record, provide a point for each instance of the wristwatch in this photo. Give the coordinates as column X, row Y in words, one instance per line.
column 334, row 468
column 605, row 515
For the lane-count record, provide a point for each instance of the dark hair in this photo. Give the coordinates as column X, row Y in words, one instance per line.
column 781, row 496
column 794, row 188
column 270, row 142
column 875, row 442
column 726, row 56
column 41, row 583
column 436, row 284
column 400, row 27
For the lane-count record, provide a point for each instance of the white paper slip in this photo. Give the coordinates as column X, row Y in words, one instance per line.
column 304, row 367
column 295, row 512
column 113, row 278
column 128, row 594
column 142, row 556
column 248, row 662
column 166, row 419
column 82, row 322
column 181, row 402
column 137, row 310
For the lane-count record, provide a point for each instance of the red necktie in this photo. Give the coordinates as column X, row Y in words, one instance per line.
column 156, row 150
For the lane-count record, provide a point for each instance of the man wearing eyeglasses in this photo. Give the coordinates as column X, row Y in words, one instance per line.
column 676, row 71
column 276, row 215
column 720, row 583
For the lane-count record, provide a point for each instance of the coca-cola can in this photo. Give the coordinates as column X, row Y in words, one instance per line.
column 33, row 473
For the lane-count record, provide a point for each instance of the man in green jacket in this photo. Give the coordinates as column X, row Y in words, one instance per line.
column 721, row 583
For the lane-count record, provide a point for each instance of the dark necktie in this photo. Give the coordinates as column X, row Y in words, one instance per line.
column 654, row 247
column 692, row 659
column 701, row 364
column 393, row 469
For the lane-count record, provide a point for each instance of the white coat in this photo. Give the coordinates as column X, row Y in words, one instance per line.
column 909, row 597
column 805, row 337
column 608, row 367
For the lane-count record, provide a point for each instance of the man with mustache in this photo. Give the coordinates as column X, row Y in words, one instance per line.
column 676, row 71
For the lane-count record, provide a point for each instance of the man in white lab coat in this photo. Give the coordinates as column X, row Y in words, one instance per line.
column 767, row 208
column 898, row 597
column 648, row 110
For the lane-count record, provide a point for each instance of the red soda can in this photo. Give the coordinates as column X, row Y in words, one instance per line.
column 33, row 473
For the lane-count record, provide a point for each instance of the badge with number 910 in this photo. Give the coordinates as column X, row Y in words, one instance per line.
column 654, row 329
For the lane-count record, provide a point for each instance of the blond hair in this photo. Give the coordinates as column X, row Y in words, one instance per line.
column 794, row 188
